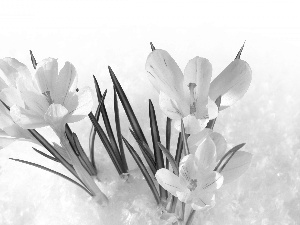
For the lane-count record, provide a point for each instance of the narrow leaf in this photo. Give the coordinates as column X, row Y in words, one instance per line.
column 106, row 143
column 45, row 155
column 93, row 132
column 179, row 149
column 184, row 138
column 168, row 138
column 53, row 151
column 127, row 107
column 159, row 160
column 69, row 135
column 143, row 170
column 146, row 152
column 84, row 157
column 106, row 121
column 34, row 64
column 118, row 129
column 226, row 158
column 170, row 158
column 238, row 56
column 51, row 171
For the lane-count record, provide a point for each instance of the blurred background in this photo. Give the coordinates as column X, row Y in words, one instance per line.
column 95, row 34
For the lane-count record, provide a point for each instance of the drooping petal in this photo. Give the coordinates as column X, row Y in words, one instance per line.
column 11, row 96
column 165, row 75
column 232, row 83
column 169, row 107
column 237, row 165
column 79, row 105
column 25, row 118
column 169, row 181
column 204, row 201
column 187, row 170
column 46, row 74
column 206, row 155
column 220, row 143
column 212, row 181
column 12, row 69
column 55, row 114
column 66, row 82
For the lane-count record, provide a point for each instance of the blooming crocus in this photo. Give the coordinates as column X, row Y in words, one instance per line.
column 191, row 96
column 10, row 70
column 198, row 181
column 51, row 97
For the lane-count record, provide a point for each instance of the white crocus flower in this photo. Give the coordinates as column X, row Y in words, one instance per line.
column 10, row 70
column 197, row 181
column 238, row 163
column 51, row 98
column 191, row 96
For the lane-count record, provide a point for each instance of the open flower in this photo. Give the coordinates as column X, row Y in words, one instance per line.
column 192, row 96
column 237, row 164
column 198, row 178
column 51, row 98
column 197, row 182
column 10, row 70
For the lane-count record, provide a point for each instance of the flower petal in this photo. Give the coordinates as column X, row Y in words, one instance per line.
column 12, row 69
column 237, row 165
column 185, row 196
column 198, row 138
column 204, row 201
column 8, row 126
column 191, row 124
column 198, row 71
column 220, row 143
column 66, row 82
column 212, row 181
column 11, row 96
column 169, row 107
column 169, row 181
column 79, row 105
column 232, row 83
column 187, row 169
column 25, row 118
column 206, row 155
column 46, row 74
column 165, row 75
column 35, row 101
column 55, row 114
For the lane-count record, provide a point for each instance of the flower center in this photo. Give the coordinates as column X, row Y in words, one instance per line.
column 192, row 185
column 192, row 98
column 48, row 97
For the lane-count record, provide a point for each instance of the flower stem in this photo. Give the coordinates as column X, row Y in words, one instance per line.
column 191, row 217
